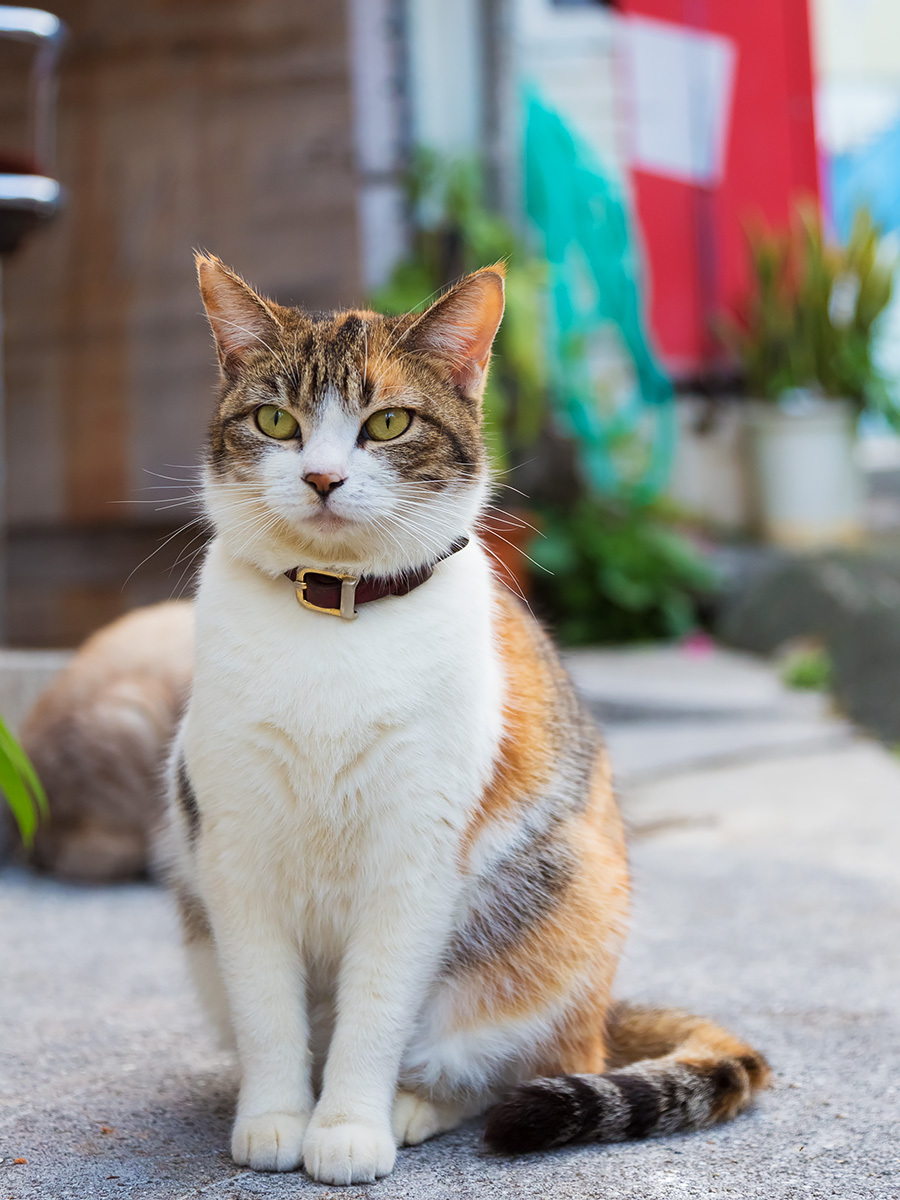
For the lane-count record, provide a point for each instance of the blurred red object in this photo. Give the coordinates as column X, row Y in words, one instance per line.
column 695, row 234
column 698, row 644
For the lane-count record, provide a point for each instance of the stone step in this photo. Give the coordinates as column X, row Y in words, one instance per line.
column 663, row 708
column 670, row 708
column 850, row 600
column 23, row 676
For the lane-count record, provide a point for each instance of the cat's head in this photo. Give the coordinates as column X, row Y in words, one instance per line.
column 350, row 442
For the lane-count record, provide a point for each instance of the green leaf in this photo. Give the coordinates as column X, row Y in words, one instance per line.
column 791, row 331
column 19, row 782
column 808, row 668
column 620, row 573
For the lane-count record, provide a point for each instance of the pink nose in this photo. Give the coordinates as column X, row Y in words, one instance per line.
column 324, row 481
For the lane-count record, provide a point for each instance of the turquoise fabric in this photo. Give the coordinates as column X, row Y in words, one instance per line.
column 580, row 215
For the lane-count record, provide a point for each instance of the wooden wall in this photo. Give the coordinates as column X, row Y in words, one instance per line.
column 224, row 124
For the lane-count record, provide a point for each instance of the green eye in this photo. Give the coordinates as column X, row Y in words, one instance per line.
column 275, row 422
column 387, row 424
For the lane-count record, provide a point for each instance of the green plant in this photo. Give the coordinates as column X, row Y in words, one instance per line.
column 809, row 319
column 455, row 230
column 21, row 786
column 807, row 668
column 612, row 571
column 617, row 573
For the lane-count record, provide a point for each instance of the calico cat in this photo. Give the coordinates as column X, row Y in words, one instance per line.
column 393, row 834
column 98, row 737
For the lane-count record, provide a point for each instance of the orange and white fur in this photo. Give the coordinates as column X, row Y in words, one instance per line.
column 394, row 840
column 98, row 737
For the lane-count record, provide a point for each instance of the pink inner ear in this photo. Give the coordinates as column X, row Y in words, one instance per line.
column 239, row 319
column 461, row 327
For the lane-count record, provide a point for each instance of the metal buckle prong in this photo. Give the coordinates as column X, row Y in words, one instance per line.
column 348, row 593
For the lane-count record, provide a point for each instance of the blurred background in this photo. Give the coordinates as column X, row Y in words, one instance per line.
column 695, row 390
column 692, row 416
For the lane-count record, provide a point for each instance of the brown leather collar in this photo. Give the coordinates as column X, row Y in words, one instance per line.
column 337, row 595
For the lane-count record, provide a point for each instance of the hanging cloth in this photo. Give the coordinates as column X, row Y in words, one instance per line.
column 580, row 214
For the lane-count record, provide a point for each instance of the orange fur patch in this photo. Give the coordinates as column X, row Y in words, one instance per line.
column 572, row 952
column 525, row 758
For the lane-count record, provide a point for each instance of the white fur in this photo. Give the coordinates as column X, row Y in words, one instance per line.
column 335, row 766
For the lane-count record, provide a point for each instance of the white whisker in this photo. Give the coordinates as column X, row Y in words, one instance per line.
column 513, row 582
column 519, row 550
column 181, row 529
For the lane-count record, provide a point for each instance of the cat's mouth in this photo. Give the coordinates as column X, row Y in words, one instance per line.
column 325, row 517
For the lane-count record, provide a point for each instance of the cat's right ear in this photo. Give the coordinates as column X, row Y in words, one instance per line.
column 460, row 327
column 241, row 320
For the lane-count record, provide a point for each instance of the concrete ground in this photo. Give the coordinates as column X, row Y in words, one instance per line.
column 765, row 844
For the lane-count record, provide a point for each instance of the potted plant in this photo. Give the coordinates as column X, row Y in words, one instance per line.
column 804, row 341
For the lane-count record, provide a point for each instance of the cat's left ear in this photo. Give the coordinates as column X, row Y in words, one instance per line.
column 242, row 321
column 459, row 329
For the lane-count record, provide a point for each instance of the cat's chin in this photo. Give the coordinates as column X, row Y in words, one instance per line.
column 349, row 546
column 326, row 521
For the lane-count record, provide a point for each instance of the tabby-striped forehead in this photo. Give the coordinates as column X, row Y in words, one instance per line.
column 361, row 362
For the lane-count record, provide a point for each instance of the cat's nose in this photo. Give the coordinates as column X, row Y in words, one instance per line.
column 324, row 481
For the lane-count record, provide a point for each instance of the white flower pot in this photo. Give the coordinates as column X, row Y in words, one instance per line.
column 709, row 475
column 806, row 483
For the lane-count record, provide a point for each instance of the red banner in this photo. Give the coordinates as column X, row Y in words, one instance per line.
column 742, row 73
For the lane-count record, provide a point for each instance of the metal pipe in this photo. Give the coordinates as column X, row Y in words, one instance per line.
column 47, row 33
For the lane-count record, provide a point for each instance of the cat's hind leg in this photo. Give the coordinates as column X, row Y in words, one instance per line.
column 416, row 1118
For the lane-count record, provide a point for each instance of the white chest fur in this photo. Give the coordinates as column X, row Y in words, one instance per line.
column 330, row 756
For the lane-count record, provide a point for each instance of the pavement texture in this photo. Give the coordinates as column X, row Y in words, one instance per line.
column 765, row 847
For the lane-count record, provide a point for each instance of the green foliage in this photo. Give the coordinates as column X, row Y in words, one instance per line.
column 21, row 786
column 619, row 573
column 809, row 319
column 456, row 231
column 808, row 669
column 614, row 571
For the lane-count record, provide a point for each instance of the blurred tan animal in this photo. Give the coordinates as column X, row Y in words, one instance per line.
column 98, row 738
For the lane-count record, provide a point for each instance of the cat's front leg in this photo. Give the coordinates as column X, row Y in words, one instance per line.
column 388, row 965
column 261, row 968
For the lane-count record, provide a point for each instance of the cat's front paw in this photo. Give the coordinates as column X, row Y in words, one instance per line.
column 351, row 1152
column 270, row 1142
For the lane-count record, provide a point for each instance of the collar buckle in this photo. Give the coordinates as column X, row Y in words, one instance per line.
column 347, row 610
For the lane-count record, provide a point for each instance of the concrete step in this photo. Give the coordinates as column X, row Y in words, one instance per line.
column 23, row 676
column 663, row 708
column 850, row 600
column 667, row 709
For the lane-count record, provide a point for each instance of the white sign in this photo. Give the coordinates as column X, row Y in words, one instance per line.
column 680, row 85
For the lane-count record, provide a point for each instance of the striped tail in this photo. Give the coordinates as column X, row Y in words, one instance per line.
column 669, row 1072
